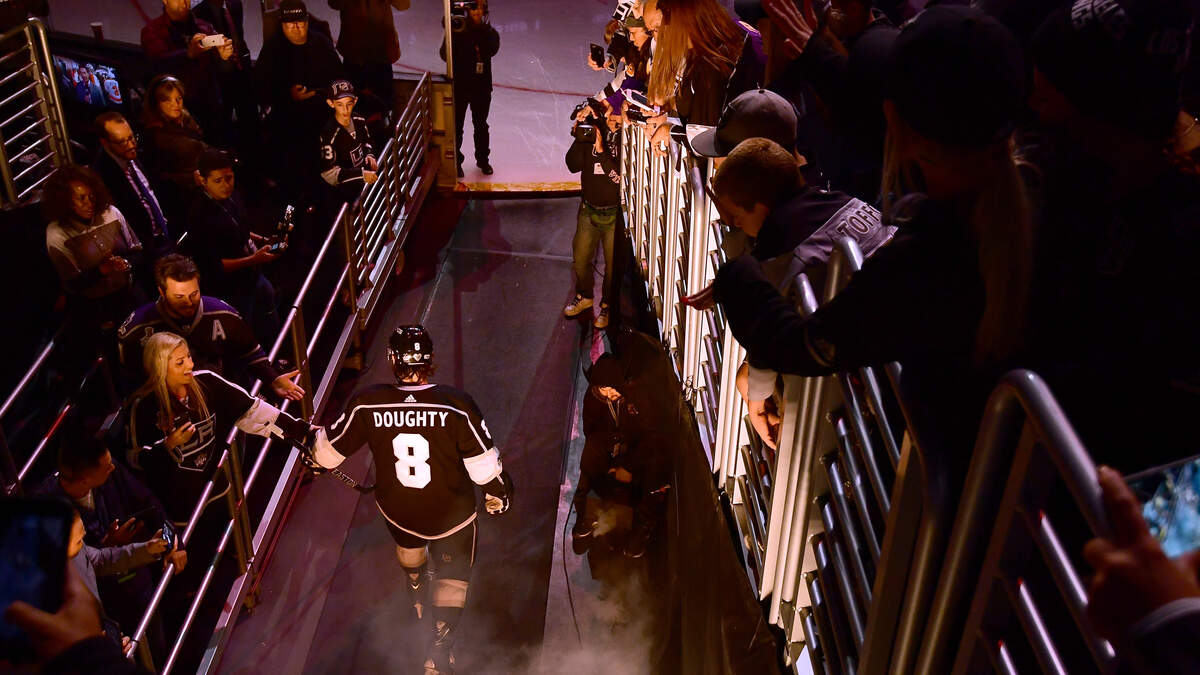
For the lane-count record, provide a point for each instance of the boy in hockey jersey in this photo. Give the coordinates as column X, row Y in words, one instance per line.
column 431, row 447
column 347, row 159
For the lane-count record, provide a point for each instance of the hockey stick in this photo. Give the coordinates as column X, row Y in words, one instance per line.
column 350, row 482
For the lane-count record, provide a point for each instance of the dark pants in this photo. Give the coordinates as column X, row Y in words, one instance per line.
column 373, row 78
column 592, row 231
column 480, row 100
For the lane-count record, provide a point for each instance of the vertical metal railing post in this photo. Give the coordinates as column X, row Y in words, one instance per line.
column 344, row 220
column 235, row 500
column 60, row 139
column 300, row 354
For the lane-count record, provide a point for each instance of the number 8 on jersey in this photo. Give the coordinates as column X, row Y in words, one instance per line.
column 412, row 460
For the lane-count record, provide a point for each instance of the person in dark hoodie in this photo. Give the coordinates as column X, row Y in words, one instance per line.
column 294, row 71
column 956, row 84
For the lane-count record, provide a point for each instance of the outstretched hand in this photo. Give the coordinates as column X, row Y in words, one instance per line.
column 798, row 24
column 285, row 386
column 1133, row 575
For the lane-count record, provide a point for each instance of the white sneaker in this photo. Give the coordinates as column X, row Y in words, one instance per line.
column 576, row 306
column 601, row 317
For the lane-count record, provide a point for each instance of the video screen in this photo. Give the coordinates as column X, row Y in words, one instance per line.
column 1170, row 498
column 87, row 83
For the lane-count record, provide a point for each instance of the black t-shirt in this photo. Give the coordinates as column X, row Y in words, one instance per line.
column 217, row 230
column 430, row 443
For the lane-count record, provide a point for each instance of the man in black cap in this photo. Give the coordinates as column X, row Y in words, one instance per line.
column 293, row 70
column 625, row 460
column 474, row 47
column 1119, row 229
column 347, row 158
column 789, row 227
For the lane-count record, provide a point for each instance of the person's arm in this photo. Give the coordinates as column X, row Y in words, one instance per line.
column 489, row 42
column 256, row 416
column 115, row 561
column 482, row 460
column 332, row 445
column 259, row 257
column 608, row 158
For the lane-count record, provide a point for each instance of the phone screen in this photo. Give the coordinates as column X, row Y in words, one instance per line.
column 598, row 54
column 33, row 559
column 1170, row 499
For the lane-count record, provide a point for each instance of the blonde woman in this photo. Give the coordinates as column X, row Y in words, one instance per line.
column 179, row 420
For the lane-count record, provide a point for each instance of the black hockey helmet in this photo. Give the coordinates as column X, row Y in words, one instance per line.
column 410, row 347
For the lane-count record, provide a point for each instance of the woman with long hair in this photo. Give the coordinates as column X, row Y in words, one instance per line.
column 172, row 142
column 697, row 46
column 948, row 297
column 91, row 246
column 179, row 420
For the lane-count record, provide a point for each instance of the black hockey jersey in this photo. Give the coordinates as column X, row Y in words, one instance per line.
column 344, row 154
column 429, row 442
column 177, row 476
column 217, row 335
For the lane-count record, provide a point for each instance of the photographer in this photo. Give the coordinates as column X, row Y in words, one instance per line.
column 475, row 43
column 595, row 156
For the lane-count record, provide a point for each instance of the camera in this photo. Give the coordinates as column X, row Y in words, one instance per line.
column 458, row 13
column 585, row 131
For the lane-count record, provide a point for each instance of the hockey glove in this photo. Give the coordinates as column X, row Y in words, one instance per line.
column 497, row 494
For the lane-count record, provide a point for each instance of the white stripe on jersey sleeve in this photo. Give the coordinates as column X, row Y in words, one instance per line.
column 484, row 467
column 324, row 453
column 260, row 420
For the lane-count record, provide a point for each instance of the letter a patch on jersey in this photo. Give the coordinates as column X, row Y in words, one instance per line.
column 218, row 331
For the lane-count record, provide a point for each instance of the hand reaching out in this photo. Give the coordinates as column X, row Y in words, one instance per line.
column 798, row 24
column 285, row 386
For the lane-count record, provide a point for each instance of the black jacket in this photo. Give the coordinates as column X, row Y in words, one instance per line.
column 476, row 44
column 599, row 174
column 127, row 201
column 217, row 231
column 281, row 64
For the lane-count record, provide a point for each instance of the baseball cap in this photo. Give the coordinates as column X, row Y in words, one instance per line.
column 755, row 113
column 341, row 89
column 632, row 21
column 291, row 11
column 606, row 372
column 212, row 159
column 1117, row 61
column 957, row 76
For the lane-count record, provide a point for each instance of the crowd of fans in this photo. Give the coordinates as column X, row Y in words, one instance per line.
column 1021, row 178
column 180, row 195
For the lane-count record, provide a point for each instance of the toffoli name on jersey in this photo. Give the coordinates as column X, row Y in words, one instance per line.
column 410, row 418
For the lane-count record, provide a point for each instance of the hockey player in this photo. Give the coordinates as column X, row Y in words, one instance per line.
column 430, row 443
column 347, row 159
column 216, row 333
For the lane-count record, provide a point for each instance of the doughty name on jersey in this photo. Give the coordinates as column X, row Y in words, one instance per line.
column 409, row 418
